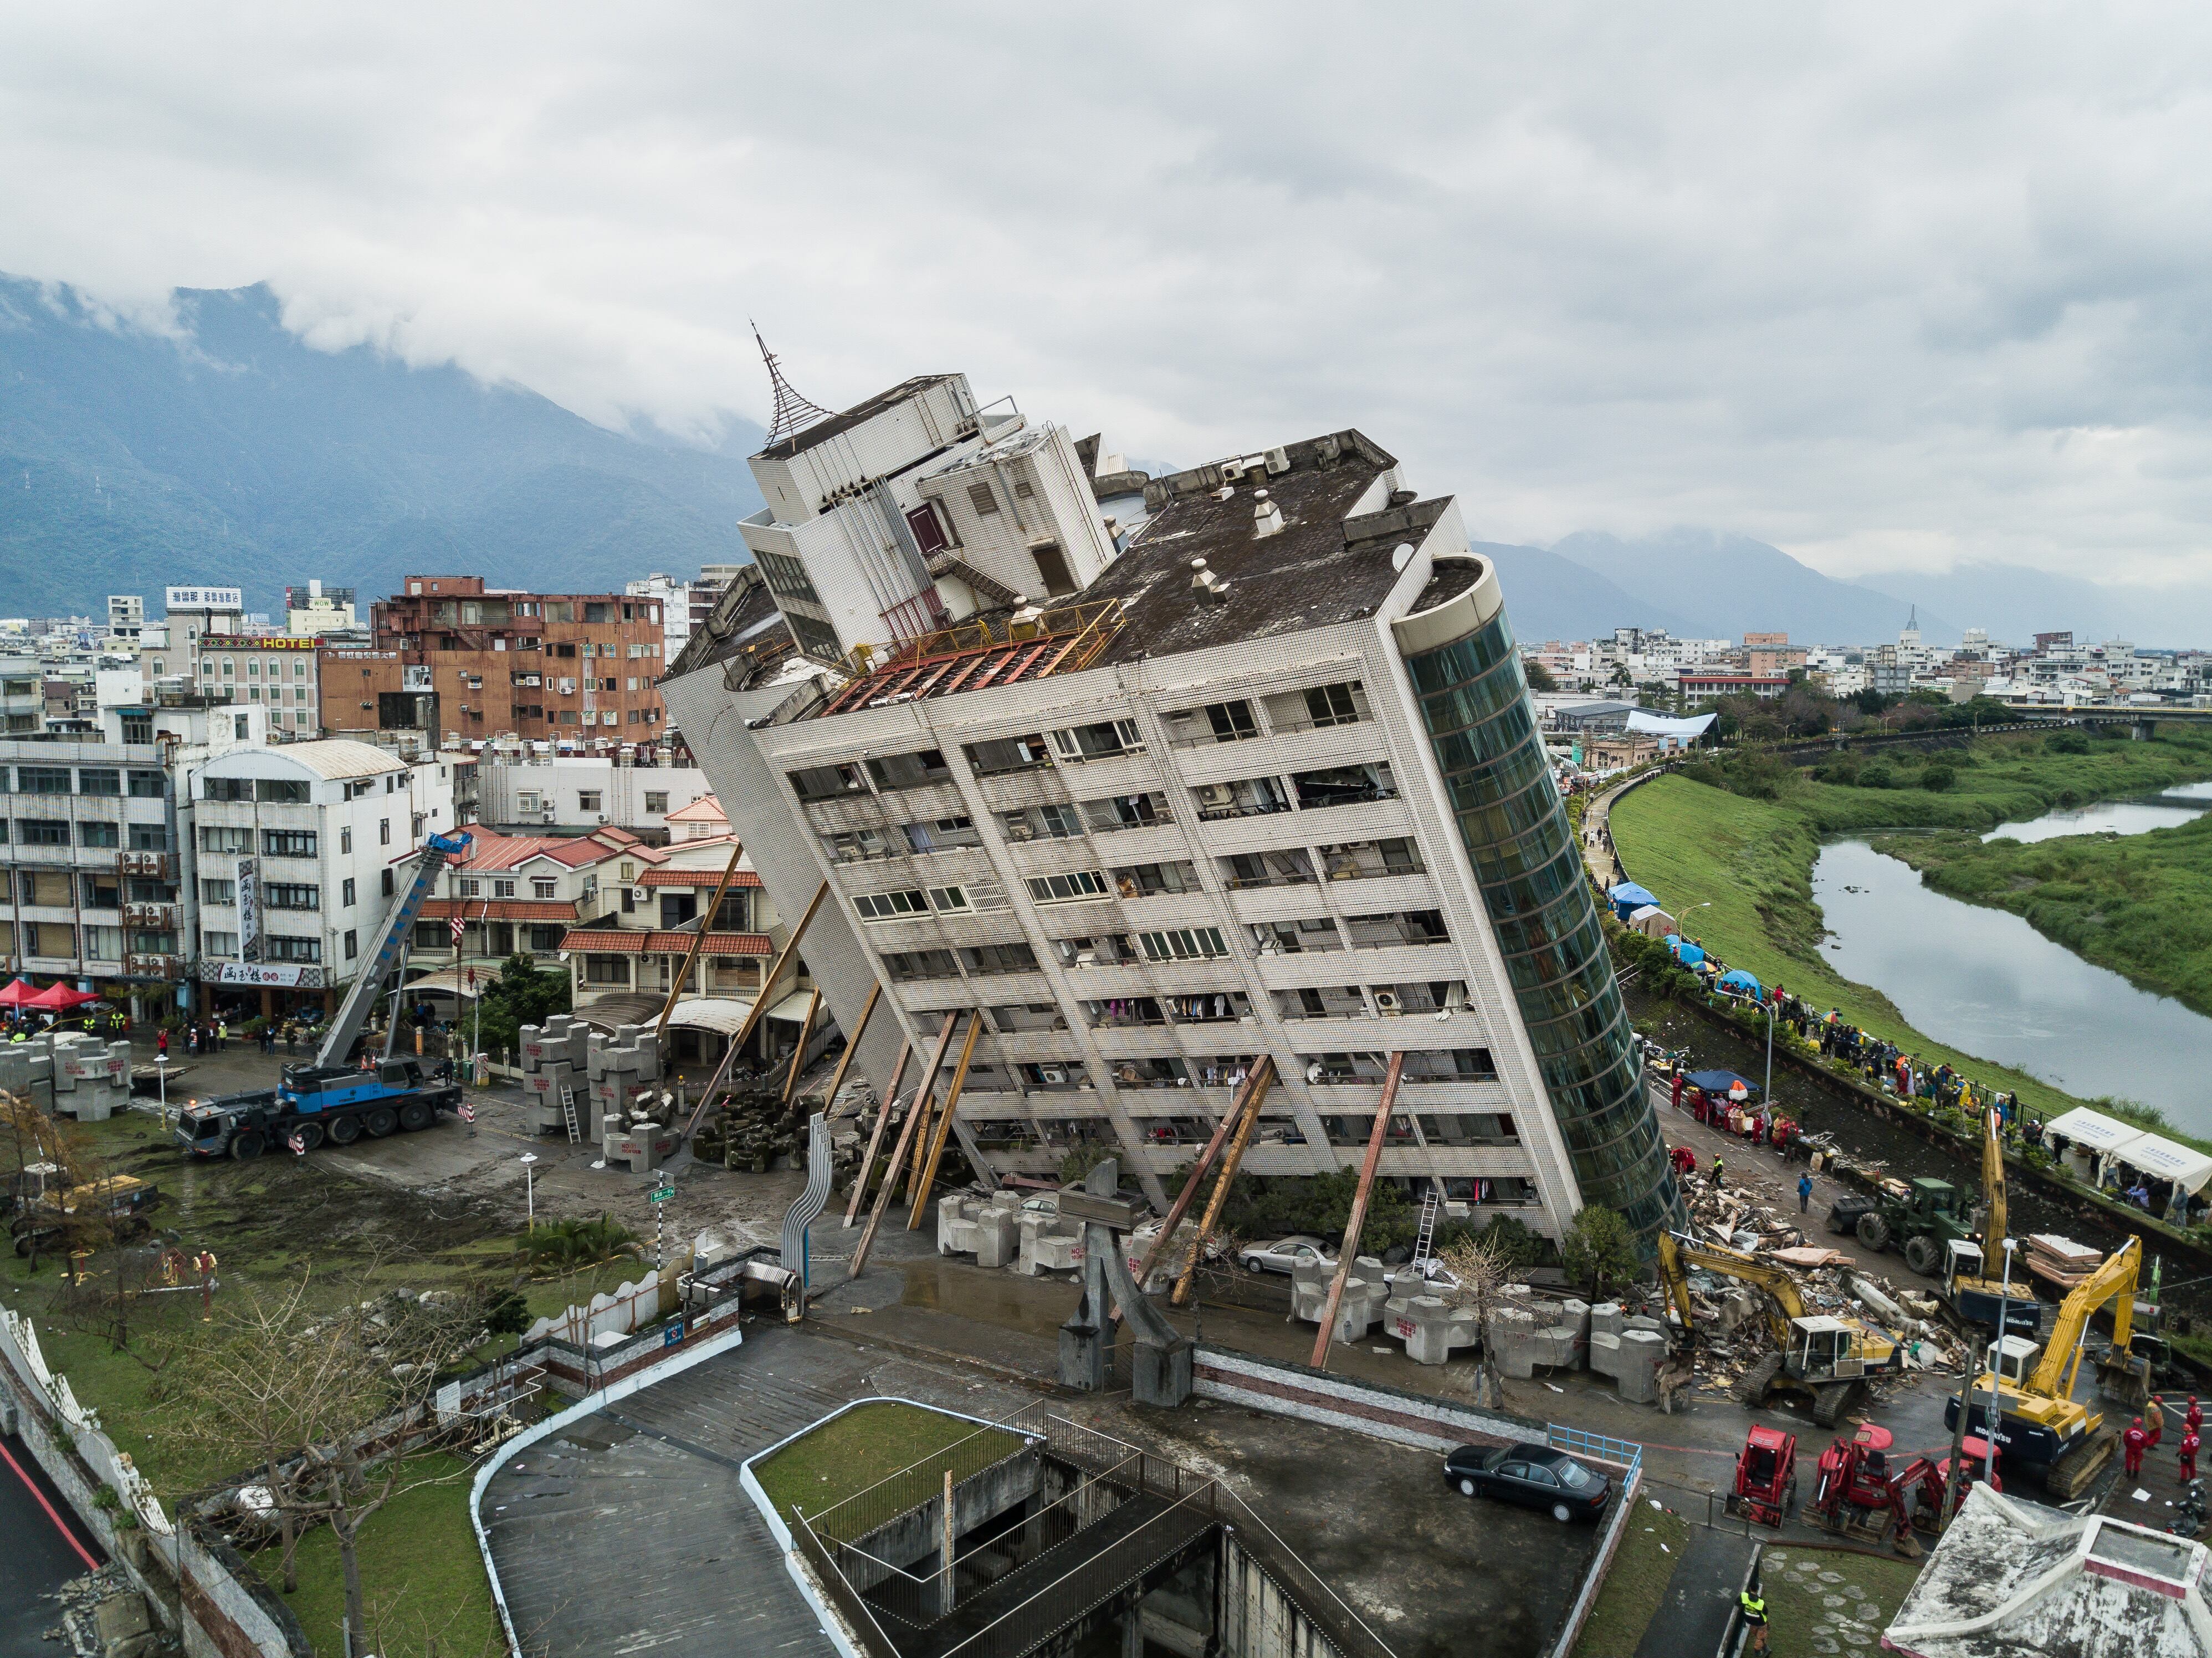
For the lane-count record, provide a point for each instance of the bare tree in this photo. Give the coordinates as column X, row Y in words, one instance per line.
column 1482, row 1266
column 323, row 1402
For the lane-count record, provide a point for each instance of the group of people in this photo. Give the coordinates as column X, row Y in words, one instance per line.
column 2141, row 1439
column 24, row 1022
column 213, row 1034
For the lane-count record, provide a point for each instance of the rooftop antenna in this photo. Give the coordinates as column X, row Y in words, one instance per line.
column 793, row 414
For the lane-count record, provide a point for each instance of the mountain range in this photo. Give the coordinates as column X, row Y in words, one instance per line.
column 227, row 450
column 232, row 453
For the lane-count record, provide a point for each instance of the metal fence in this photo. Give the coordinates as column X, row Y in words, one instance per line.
column 1622, row 1454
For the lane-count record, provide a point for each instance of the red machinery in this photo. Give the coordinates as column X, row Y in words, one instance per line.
column 1765, row 1476
column 1861, row 1495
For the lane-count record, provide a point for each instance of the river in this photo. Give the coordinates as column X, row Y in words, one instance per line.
column 1983, row 982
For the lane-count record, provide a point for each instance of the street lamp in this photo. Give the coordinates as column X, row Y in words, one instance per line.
column 530, row 1189
column 161, row 1071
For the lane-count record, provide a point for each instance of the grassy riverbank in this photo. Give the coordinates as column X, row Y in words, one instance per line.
column 2139, row 904
column 1738, row 875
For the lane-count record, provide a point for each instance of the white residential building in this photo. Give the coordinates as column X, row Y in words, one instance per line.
column 295, row 850
column 530, row 793
column 1269, row 785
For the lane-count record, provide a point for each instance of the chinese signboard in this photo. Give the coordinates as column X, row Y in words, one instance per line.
column 249, row 910
column 253, row 973
column 207, row 599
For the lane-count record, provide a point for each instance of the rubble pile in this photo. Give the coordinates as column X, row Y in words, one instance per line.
column 104, row 1616
column 752, row 1131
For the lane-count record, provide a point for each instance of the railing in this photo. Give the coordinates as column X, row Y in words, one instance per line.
column 1285, row 727
column 856, row 1612
column 1115, row 825
column 1247, row 882
column 1091, row 627
column 1624, row 1453
column 1346, row 1629
column 1216, row 814
column 1366, row 872
column 1207, row 739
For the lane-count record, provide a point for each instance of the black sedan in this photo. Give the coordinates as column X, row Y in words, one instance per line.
column 1534, row 1476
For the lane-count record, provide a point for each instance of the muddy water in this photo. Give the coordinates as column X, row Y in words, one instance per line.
column 2170, row 809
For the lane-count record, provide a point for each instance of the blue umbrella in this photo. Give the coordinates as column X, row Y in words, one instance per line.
column 1684, row 952
column 1719, row 1082
column 1737, row 979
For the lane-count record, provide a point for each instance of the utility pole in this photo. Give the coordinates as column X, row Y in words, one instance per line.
column 1959, row 1430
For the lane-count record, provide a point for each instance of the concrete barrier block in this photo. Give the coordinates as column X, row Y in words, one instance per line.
column 997, row 1240
column 1605, row 1319
column 1640, row 1354
column 1059, row 1253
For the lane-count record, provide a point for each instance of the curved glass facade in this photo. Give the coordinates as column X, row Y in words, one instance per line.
column 1483, row 729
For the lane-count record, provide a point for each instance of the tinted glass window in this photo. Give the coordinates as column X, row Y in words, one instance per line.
column 1575, row 1477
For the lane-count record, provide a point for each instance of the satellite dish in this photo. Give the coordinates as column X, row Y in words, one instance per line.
column 1402, row 555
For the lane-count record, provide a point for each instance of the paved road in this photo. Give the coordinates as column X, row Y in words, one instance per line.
column 43, row 1551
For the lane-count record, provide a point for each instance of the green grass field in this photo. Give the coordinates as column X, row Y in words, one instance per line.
column 1819, row 1593
column 870, row 1443
column 1636, row 1584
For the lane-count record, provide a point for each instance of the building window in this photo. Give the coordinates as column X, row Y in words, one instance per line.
column 470, row 886
column 287, row 843
column 145, row 784
column 352, row 944
column 280, row 792
column 502, row 889
column 384, row 831
column 981, row 498
column 99, row 835
column 385, row 882
column 150, row 837
column 218, row 892
column 42, row 779
column 291, row 894
column 213, row 942
column 606, row 969
column 283, row 947
column 98, row 779
column 1022, row 490
column 1184, row 944
column 588, row 800
column 1080, row 887
column 656, row 801
column 43, row 832
column 543, row 887
column 226, row 840
column 891, row 906
column 345, row 893
column 948, row 899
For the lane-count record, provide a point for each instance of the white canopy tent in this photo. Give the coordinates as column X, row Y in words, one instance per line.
column 2154, row 1154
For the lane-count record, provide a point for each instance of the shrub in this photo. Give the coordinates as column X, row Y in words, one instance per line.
column 565, row 1244
column 1875, row 775
column 1597, row 1248
column 2067, row 742
column 1937, row 778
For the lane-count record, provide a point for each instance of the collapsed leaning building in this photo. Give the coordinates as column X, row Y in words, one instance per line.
column 1154, row 777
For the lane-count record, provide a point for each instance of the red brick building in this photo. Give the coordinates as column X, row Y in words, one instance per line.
column 463, row 661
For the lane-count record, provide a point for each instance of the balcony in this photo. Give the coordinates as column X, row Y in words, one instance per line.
column 1247, row 870
column 154, row 918
column 1344, row 786
column 1422, row 927
column 154, row 865
column 1217, row 722
column 1126, row 811
column 1368, row 860
column 154, row 967
column 1249, row 797
column 1296, row 938
column 1322, row 1002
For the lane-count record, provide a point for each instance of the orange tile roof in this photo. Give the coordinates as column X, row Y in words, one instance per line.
column 706, row 879
column 618, row 940
column 491, row 850
column 498, row 909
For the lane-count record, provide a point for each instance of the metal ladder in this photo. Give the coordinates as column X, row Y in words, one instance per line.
column 1431, row 1206
column 568, row 1114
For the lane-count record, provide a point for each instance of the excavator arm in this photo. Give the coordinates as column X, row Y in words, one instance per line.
column 2061, row 1355
column 1677, row 1255
column 1993, row 1193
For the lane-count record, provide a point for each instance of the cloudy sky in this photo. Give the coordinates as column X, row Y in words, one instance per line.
column 1892, row 288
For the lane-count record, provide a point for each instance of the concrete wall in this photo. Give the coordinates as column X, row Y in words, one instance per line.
column 1309, row 1395
column 919, row 1535
column 211, row 1595
column 1257, row 1619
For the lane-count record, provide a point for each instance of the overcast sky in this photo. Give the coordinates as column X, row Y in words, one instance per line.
column 1889, row 287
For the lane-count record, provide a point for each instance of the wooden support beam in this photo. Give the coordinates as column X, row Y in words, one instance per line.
column 924, row 1097
column 890, row 1174
column 1358, row 1220
column 759, row 1008
column 1181, row 1206
column 1263, row 1076
column 799, row 1054
column 944, row 1122
column 699, row 938
column 876, row 1136
column 851, row 1047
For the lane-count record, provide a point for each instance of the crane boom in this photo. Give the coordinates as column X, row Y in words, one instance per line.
column 388, row 944
column 2053, row 1378
column 1993, row 1189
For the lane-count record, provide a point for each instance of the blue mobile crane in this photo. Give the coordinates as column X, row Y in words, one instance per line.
column 325, row 1098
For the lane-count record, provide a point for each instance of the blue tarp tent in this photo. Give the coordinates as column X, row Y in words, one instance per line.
column 1684, row 952
column 1628, row 898
column 1719, row 1082
column 1737, row 979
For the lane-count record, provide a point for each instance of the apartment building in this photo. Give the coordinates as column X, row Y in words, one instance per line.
column 1269, row 785
column 126, row 618
column 295, row 850
column 529, row 792
column 282, row 672
column 462, row 662
column 22, row 694
column 684, row 604
column 915, row 508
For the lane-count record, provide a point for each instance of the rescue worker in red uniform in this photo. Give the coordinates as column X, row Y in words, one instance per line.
column 2132, row 1444
column 1678, row 1089
column 2189, row 1446
column 2195, row 1415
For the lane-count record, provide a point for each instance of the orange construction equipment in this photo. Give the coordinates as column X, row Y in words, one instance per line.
column 1352, row 1226
column 1766, row 1477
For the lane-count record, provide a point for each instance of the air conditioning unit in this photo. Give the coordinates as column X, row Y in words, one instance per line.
column 1232, row 471
column 1211, row 795
column 1052, row 1073
column 1386, row 1001
column 1086, row 958
column 1277, row 460
column 637, row 895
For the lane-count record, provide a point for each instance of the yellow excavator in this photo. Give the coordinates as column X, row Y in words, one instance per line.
column 1973, row 1273
column 1826, row 1359
column 2041, row 1430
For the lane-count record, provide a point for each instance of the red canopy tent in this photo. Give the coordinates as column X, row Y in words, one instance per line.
column 16, row 992
column 59, row 998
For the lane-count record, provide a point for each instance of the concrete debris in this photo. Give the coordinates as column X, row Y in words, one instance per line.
column 104, row 1616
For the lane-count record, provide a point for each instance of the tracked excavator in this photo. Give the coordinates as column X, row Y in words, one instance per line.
column 1826, row 1359
column 2040, row 1429
column 326, row 1098
column 1973, row 1272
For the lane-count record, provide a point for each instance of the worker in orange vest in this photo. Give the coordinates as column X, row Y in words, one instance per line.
column 2132, row 1444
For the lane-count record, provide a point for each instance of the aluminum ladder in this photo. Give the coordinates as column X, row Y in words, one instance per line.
column 568, row 1114
column 1432, row 1205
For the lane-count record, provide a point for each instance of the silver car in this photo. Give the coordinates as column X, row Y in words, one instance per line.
column 1284, row 1254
